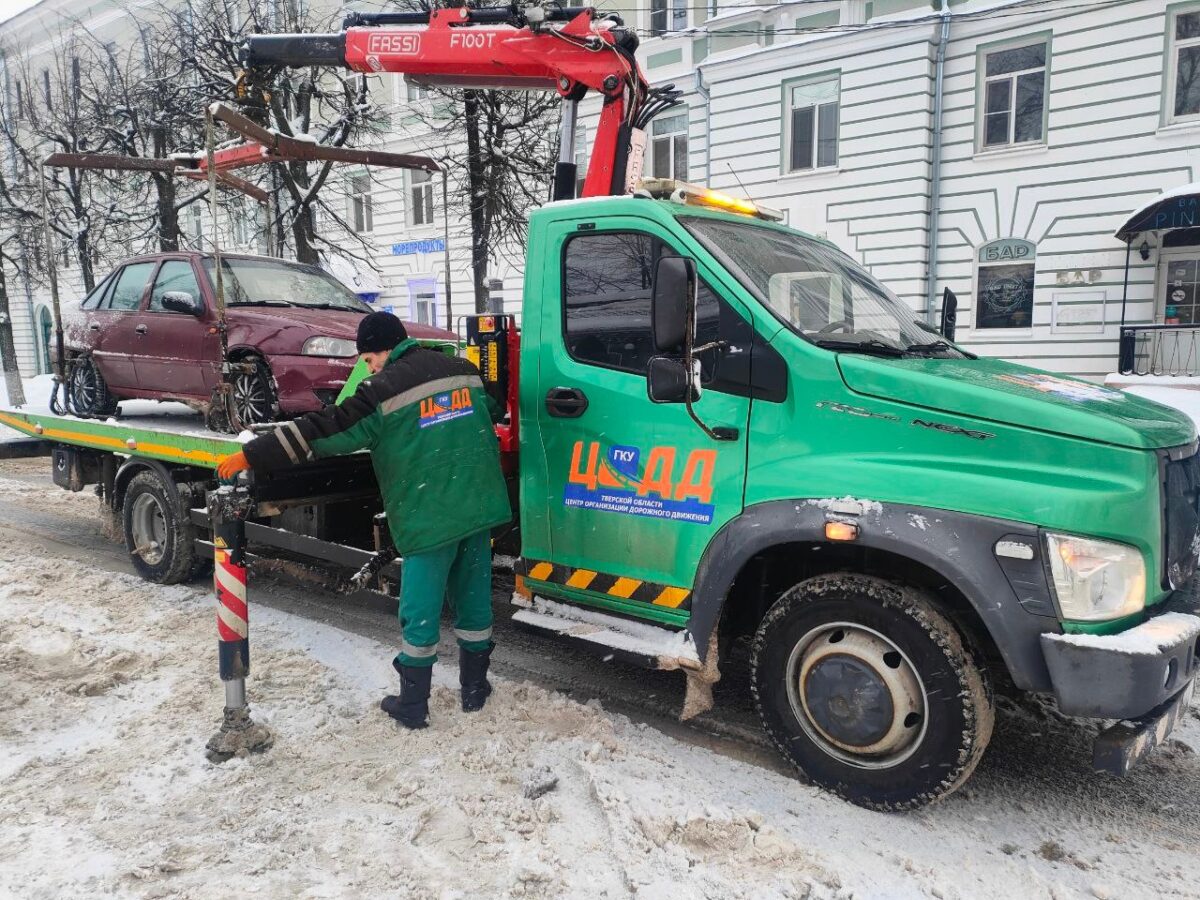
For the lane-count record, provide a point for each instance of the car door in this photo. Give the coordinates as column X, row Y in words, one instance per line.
column 174, row 348
column 635, row 490
column 117, row 341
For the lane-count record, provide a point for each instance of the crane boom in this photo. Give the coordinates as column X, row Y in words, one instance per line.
column 568, row 50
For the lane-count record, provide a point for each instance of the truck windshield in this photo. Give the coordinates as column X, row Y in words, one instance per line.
column 822, row 294
column 267, row 282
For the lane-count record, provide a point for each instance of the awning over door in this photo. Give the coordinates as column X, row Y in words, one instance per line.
column 1176, row 208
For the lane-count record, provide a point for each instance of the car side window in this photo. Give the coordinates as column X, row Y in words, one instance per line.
column 131, row 283
column 607, row 279
column 175, row 275
column 93, row 300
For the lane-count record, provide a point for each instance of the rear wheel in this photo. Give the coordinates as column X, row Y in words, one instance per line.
column 254, row 398
column 158, row 533
column 89, row 392
column 870, row 691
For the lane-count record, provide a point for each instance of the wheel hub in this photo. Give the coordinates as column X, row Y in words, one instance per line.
column 856, row 695
column 149, row 529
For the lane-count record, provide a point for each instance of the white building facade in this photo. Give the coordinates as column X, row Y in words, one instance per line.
column 1057, row 119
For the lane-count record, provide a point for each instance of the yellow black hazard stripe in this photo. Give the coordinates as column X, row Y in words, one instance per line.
column 616, row 586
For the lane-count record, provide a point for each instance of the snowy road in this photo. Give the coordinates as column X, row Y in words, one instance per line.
column 108, row 692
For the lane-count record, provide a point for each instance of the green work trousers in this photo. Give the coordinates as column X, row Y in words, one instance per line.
column 460, row 571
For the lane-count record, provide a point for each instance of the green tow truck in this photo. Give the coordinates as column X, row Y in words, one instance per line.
column 725, row 429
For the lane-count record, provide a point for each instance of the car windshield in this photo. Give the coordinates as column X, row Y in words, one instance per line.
column 269, row 282
column 820, row 292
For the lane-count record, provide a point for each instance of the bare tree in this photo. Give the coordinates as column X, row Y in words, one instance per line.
column 324, row 105
column 21, row 223
column 500, row 149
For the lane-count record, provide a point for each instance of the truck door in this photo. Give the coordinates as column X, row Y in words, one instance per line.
column 634, row 490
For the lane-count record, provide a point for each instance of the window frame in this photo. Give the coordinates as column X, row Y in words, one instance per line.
column 981, row 81
column 361, row 199
column 669, row 11
column 994, row 331
column 421, row 284
column 715, row 382
column 785, row 150
column 100, row 292
column 107, row 301
column 1170, row 69
column 153, row 283
column 652, row 139
column 411, row 205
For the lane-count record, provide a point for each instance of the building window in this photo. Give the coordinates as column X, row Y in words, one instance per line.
column 812, row 124
column 415, row 91
column 46, row 94
column 1005, row 284
column 1183, row 66
column 667, row 15
column 361, row 214
column 420, row 194
column 422, row 301
column 20, row 102
column 196, row 225
column 1014, row 95
column 669, row 147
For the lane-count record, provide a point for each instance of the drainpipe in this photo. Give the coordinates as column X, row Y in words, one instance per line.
column 702, row 90
column 935, row 163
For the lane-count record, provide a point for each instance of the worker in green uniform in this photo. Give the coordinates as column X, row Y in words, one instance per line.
column 425, row 418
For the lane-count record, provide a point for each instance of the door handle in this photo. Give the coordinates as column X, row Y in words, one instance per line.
column 566, row 402
column 141, row 329
column 94, row 326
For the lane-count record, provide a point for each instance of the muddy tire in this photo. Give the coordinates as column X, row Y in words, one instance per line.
column 158, row 533
column 254, row 399
column 870, row 691
column 89, row 391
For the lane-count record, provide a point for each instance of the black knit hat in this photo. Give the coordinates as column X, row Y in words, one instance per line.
column 380, row 331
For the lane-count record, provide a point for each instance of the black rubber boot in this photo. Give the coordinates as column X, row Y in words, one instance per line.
column 411, row 708
column 472, row 676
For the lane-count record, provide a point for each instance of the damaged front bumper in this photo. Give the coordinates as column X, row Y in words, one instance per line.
column 1143, row 676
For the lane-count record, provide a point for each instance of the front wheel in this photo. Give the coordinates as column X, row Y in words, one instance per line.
column 254, row 400
column 89, row 394
column 870, row 691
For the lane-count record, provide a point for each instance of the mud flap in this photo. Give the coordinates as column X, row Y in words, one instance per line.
column 1121, row 747
column 700, row 679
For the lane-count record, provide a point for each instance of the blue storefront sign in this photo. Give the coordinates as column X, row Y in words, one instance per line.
column 408, row 248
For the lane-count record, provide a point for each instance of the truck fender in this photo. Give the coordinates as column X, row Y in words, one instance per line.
column 136, row 464
column 1010, row 596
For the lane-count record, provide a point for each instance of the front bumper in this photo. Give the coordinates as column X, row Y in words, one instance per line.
column 1125, row 675
column 305, row 383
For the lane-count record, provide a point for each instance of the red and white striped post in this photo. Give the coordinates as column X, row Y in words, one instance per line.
column 228, row 508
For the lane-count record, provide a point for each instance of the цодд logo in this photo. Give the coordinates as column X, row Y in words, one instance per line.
column 403, row 42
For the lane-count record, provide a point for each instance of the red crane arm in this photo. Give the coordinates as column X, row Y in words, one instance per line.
column 494, row 49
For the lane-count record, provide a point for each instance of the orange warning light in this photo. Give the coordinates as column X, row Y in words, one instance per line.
column 841, row 531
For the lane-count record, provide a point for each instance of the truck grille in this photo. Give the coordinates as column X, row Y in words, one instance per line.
column 1181, row 518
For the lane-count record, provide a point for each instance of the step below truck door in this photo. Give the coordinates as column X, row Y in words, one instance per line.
column 634, row 490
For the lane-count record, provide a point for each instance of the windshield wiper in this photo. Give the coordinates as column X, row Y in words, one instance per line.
column 259, row 303
column 344, row 306
column 931, row 347
column 871, row 345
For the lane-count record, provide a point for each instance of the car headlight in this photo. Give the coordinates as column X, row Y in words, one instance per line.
column 329, row 346
column 1096, row 580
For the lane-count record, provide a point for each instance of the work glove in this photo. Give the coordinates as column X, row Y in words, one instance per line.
column 229, row 467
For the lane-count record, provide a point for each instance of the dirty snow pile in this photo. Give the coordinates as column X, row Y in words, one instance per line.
column 108, row 693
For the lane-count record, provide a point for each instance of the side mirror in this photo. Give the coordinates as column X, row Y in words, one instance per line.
column 673, row 296
column 182, row 302
column 667, row 381
column 949, row 314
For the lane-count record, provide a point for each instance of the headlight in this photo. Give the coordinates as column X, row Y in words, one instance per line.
column 329, row 346
column 1096, row 580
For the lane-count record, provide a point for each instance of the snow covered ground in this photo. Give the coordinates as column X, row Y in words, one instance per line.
column 108, row 692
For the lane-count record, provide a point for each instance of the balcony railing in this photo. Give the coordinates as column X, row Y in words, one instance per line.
column 1159, row 350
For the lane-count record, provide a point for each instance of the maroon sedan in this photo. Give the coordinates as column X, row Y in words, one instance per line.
column 149, row 331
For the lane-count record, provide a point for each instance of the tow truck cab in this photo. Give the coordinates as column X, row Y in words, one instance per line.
column 889, row 519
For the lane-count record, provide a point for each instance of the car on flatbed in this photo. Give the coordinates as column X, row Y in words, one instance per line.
column 149, row 331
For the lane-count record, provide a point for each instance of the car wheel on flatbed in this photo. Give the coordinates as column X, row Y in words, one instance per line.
column 870, row 691
column 158, row 533
column 89, row 391
column 254, row 398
